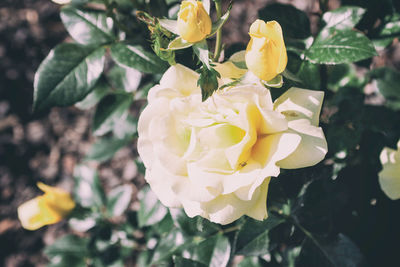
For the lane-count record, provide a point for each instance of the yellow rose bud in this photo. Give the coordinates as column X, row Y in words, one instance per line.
column 266, row 52
column 46, row 209
column 194, row 24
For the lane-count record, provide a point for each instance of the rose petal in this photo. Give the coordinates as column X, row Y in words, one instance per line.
column 161, row 182
column 299, row 104
column 312, row 148
column 180, row 78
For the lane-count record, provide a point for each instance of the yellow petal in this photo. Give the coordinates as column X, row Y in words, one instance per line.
column 57, row 199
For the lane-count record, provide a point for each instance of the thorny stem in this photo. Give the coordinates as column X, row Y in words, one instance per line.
column 218, row 42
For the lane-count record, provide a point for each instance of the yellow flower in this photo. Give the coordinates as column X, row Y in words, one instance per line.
column 194, row 24
column 389, row 177
column 46, row 209
column 266, row 52
column 216, row 158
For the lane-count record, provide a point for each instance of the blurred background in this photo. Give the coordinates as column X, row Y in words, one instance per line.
column 46, row 146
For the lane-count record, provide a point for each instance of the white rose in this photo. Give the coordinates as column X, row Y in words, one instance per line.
column 389, row 177
column 215, row 158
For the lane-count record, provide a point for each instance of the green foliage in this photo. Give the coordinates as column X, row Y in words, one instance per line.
column 86, row 26
column 151, row 210
column 67, row 75
column 99, row 91
column 105, row 148
column 110, row 111
column 118, row 200
column 136, row 57
column 388, row 30
column 340, row 46
column 208, row 81
column 69, row 250
column 340, row 251
column 213, row 252
column 338, row 42
column 388, row 83
column 253, row 236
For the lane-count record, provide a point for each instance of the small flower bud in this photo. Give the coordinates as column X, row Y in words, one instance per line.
column 46, row 209
column 194, row 24
column 266, row 52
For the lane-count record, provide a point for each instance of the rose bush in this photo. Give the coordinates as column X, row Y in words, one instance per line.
column 389, row 177
column 215, row 158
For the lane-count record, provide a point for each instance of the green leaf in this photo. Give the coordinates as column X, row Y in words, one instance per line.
column 201, row 51
column 178, row 43
column 388, row 83
column 151, row 210
column 170, row 25
column 168, row 245
column 69, row 250
column 339, row 252
column 183, row 262
column 345, row 17
column 100, row 90
column 219, row 23
column 136, row 57
column 87, row 26
column 238, row 59
column 343, row 75
column 388, row 32
column 88, row 191
column 124, row 78
column 197, row 226
column 79, row 2
column 208, row 82
column 212, row 252
column 250, row 262
column 165, row 225
column 294, row 22
column 342, row 46
column 310, row 76
column 110, row 111
column 119, row 199
column 126, row 128
column 105, row 148
column 253, row 238
column 67, row 75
